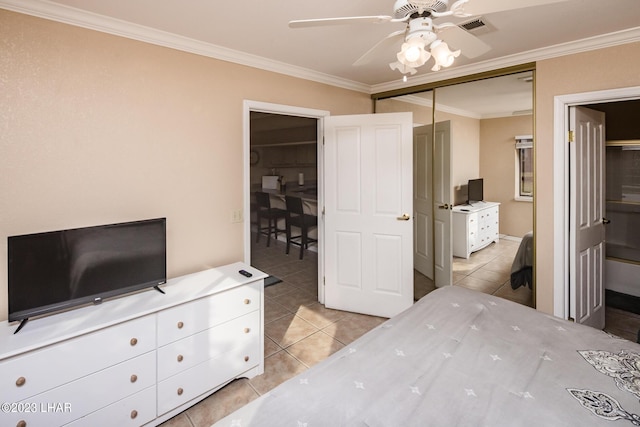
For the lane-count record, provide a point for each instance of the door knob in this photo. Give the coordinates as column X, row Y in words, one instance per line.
column 445, row 206
column 606, row 221
column 404, row 217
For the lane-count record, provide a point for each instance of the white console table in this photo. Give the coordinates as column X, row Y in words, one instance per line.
column 135, row 360
column 474, row 227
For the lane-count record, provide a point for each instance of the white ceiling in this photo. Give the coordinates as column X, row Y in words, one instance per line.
column 256, row 33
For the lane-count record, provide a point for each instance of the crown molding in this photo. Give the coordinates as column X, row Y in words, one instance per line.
column 630, row 35
column 80, row 18
column 92, row 21
column 426, row 102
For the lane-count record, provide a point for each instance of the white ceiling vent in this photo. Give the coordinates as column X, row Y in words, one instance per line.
column 477, row 26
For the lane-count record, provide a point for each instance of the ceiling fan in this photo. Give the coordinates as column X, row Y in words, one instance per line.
column 424, row 39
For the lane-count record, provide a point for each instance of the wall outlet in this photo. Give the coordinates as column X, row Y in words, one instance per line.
column 236, row 216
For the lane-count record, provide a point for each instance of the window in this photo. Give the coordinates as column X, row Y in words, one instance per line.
column 524, row 167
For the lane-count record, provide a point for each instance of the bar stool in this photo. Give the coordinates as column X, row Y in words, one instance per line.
column 297, row 218
column 272, row 215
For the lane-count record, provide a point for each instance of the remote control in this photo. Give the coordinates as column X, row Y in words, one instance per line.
column 245, row 273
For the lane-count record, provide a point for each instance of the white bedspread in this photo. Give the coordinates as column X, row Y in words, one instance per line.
column 462, row 358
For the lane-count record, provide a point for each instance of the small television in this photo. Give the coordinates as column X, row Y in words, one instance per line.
column 475, row 190
column 57, row 270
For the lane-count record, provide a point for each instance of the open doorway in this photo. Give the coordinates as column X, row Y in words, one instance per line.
column 282, row 158
column 283, row 163
column 615, row 262
column 622, row 208
column 622, row 133
column 396, row 214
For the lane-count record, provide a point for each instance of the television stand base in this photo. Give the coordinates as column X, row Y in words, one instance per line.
column 21, row 325
column 157, row 288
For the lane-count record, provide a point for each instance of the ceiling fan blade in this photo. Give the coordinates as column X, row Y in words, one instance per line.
column 388, row 41
column 302, row 23
column 481, row 7
column 457, row 38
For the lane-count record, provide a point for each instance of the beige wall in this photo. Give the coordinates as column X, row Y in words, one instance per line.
column 465, row 141
column 498, row 168
column 611, row 68
column 96, row 129
column 465, row 152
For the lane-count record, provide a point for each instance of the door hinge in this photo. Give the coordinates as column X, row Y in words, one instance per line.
column 572, row 136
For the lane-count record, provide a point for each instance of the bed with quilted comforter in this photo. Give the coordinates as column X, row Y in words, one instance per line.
column 462, row 358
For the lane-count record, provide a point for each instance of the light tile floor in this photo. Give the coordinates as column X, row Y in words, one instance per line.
column 489, row 271
column 300, row 332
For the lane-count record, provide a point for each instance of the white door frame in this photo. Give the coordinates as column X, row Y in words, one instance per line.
column 561, row 181
column 247, row 107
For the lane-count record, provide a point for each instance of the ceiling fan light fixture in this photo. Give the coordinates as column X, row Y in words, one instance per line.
column 413, row 53
column 421, row 27
column 403, row 68
column 442, row 55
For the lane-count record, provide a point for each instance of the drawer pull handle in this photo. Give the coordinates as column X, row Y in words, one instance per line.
column 247, row 330
column 247, row 301
column 180, row 325
column 246, row 358
column 134, row 378
column 134, row 414
column 21, row 381
column 180, row 391
column 133, row 341
column 21, row 423
column 180, row 358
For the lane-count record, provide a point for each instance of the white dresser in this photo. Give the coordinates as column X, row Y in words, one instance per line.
column 135, row 360
column 474, row 227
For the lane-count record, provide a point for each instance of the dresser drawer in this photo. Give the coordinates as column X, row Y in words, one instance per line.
column 473, row 222
column 195, row 349
column 187, row 319
column 41, row 370
column 132, row 411
column 193, row 382
column 88, row 394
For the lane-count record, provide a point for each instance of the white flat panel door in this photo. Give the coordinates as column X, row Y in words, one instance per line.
column 423, row 200
column 586, row 257
column 368, row 207
column 442, row 200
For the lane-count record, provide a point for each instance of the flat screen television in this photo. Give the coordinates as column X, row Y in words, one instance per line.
column 475, row 190
column 57, row 270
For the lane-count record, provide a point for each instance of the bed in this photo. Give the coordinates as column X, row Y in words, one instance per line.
column 522, row 265
column 462, row 358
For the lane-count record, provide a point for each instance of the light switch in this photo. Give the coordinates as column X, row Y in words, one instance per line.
column 236, row 216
